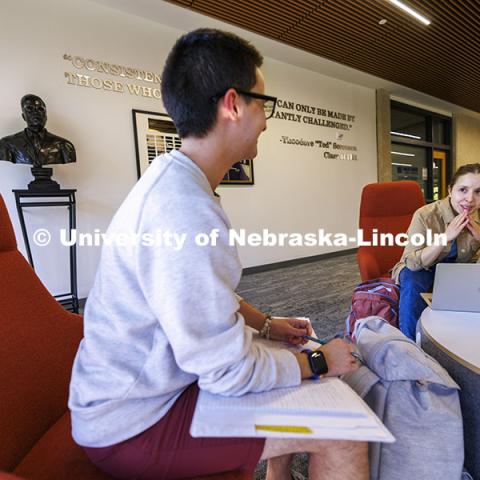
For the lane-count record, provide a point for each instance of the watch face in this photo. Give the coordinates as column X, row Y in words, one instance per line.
column 318, row 364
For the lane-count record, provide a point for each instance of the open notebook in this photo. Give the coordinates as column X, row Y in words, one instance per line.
column 326, row 408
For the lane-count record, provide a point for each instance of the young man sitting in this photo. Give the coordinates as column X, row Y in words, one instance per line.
column 162, row 322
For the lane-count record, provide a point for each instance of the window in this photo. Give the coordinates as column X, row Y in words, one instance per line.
column 441, row 131
column 410, row 163
column 420, row 148
column 407, row 124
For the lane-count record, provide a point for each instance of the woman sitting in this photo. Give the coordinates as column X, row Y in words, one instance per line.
column 456, row 216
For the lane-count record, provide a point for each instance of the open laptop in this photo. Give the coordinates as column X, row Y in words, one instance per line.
column 457, row 287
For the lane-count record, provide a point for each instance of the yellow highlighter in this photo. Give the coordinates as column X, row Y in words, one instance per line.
column 284, row 429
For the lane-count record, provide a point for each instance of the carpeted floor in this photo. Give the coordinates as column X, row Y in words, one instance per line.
column 321, row 291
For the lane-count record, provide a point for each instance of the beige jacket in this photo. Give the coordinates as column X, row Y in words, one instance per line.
column 436, row 217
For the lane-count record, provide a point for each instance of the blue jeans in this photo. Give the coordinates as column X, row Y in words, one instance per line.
column 411, row 285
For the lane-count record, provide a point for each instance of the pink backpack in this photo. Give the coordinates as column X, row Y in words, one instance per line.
column 378, row 297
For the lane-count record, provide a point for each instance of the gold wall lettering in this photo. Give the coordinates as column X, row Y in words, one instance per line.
column 108, row 85
column 318, row 117
column 143, row 91
column 98, row 83
column 111, row 69
column 309, row 115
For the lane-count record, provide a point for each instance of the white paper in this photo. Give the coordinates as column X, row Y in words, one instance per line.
column 326, row 408
column 325, row 397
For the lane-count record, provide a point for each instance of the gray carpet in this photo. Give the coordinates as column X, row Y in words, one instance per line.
column 321, row 291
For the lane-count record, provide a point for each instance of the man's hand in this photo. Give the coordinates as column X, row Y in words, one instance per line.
column 290, row 330
column 338, row 354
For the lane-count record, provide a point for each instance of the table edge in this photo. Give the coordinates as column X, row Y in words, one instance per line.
column 452, row 355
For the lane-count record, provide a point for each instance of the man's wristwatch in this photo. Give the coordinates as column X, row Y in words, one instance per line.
column 317, row 362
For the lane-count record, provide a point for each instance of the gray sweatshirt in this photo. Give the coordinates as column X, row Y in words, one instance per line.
column 162, row 314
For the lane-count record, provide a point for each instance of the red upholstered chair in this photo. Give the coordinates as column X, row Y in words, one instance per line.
column 387, row 207
column 38, row 342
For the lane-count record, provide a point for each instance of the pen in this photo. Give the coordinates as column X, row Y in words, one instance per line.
column 322, row 341
column 358, row 357
column 313, row 339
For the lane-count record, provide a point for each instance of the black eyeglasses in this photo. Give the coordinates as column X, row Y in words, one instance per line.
column 269, row 103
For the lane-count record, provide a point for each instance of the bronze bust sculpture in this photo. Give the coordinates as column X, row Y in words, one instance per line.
column 35, row 145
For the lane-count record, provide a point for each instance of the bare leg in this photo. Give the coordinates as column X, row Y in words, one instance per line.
column 341, row 460
column 329, row 459
column 278, row 468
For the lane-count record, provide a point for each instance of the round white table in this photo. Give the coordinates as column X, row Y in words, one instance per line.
column 453, row 339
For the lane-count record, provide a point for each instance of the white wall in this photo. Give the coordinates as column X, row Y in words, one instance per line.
column 296, row 189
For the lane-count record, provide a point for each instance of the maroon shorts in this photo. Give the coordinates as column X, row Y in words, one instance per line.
column 168, row 451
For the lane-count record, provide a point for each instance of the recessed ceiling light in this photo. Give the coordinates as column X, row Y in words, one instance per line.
column 410, row 11
column 383, row 21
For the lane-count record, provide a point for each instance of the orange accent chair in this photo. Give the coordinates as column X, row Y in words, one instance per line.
column 387, row 207
column 38, row 342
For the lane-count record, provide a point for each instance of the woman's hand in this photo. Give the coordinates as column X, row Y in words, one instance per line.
column 474, row 229
column 290, row 329
column 456, row 226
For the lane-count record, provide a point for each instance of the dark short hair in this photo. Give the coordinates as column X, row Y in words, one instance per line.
column 202, row 64
column 463, row 170
column 30, row 96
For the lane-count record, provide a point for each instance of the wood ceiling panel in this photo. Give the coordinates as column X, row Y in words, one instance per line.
column 260, row 14
column 387, row 68
column 255, row 25
column 396, row 57
column 442, row 59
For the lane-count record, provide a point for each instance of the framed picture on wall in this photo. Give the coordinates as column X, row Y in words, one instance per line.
column 154, row 134
column 241, row 173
